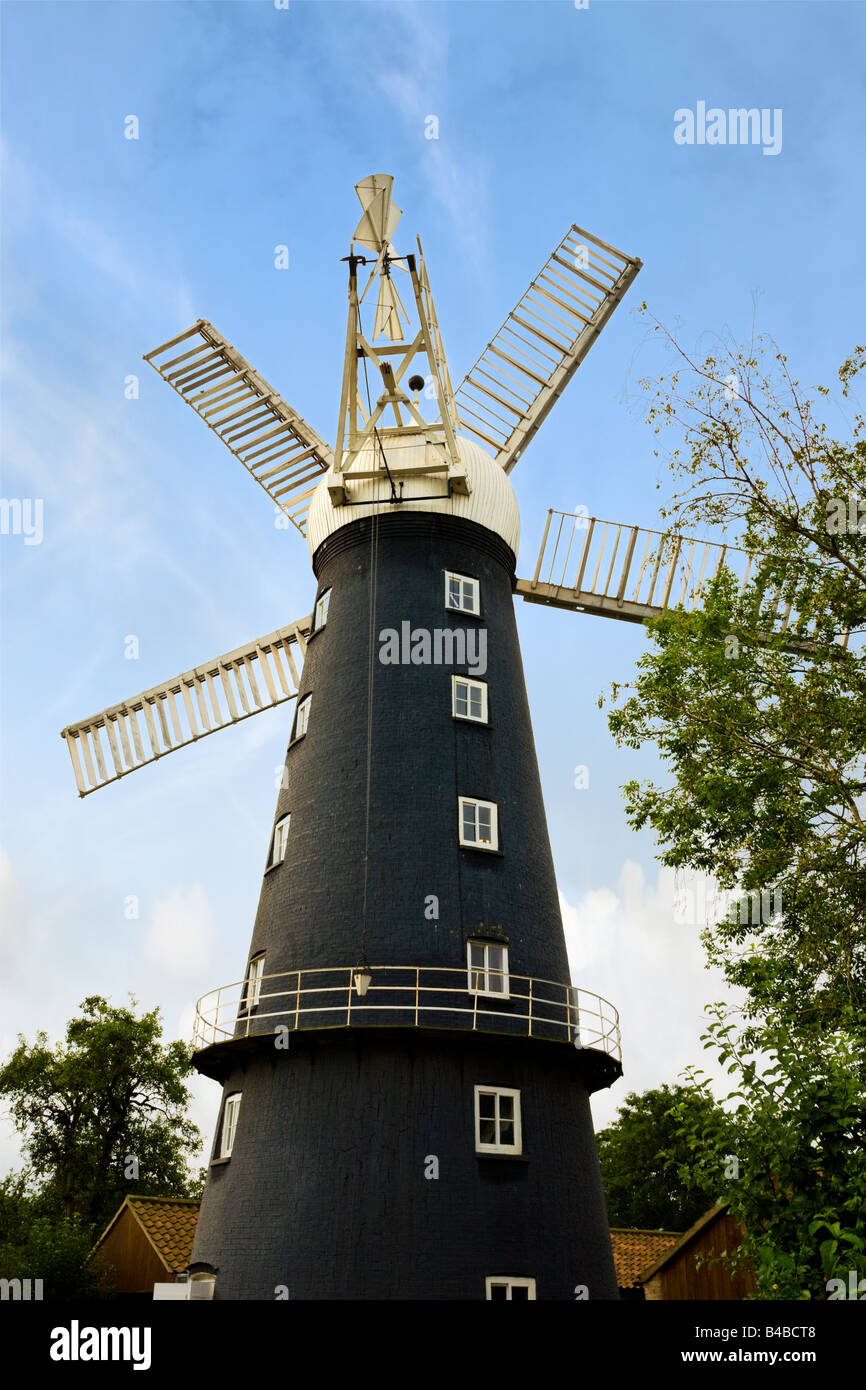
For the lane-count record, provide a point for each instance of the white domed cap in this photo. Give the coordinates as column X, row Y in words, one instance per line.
column 491, row 502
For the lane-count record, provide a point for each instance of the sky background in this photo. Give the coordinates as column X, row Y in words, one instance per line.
column 255, row 123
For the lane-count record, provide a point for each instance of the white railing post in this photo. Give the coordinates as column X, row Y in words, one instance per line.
column 583, row 559
column 541, row 551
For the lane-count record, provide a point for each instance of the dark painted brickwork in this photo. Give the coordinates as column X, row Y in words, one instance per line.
column 311, row 907
column 325, row 1190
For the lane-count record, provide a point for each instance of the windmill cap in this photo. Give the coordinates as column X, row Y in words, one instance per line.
column 491, row 503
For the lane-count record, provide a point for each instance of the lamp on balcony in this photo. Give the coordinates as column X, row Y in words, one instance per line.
column 363, row 980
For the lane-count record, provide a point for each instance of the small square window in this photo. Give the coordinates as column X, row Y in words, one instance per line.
column 469, row 699
column 320, row 616
column 302, row 717
column 478, row 823
column 281, row 839
column 497, row 1121
column 487, row 968
column 505, row 1288
column 229, row 1124
column 462, row 593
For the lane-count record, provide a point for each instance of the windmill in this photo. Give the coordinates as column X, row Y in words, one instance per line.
column 405, row 1065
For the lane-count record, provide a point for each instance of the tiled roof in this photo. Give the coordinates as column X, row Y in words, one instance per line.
column 169, row 1222
column 634, row 1250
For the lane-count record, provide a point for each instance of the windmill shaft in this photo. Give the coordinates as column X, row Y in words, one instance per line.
column 325, row 1191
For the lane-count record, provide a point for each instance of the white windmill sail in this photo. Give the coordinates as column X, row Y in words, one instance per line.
column 123, row 737
column 632, row 573
column 525, row 368
column 275, row 444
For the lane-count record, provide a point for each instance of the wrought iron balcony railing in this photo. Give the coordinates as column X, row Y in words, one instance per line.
column 406, row 996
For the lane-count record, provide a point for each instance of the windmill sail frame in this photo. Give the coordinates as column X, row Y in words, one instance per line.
column 274, row 443
column 505, row 397
column 232, row 687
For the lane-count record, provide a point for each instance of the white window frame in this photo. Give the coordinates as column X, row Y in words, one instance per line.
column 280, row 840
column 471, row 685
column 473, row 590
column 478, row 977
column 320, row 613
column 302, row 717
column 497, row 1147
column 511, row 1281
column 474, row 801
column 253, row 982
column 229, row 1123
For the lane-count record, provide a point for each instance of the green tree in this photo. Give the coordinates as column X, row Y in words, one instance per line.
column 756, row 704
column 103, row 1114
column 37, row 1242
column 645, row 1159
column 765, row 742
column 796, row 1125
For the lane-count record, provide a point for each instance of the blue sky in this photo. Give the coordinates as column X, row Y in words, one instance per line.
column 254, row 125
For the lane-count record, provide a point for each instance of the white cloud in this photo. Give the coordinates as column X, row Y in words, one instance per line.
column 411, row 77
column 180, row 934
column 627, row 945
column 34, row 196
column 14, row 905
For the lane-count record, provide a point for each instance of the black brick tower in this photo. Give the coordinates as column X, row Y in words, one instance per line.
column 364, row 1164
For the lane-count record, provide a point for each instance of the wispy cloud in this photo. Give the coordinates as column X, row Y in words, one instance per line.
column 625, row 944
column 31, row 201
column 412, row 74
column 180, row 934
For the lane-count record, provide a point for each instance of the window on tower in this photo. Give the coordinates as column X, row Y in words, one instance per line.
column 281, row 839
column 253, row 983
column 478, row 823
column 302, row 717
column 497, row 1121
column 469, row 699
column 487, row 968
column 505, row 1288
column 462, row 593
column 320, row 616
column 229, row 1124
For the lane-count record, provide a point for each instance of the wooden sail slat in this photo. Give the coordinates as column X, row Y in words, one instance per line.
column 241, row 407
column 592, row 592
column 245, row 694
column 564, row 324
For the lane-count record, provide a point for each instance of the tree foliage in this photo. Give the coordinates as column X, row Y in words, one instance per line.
column 757, row 704
column 796, row 1125
column 38, row 1242
column 103, row 1114
column 645, row 1159
column 766, row 745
